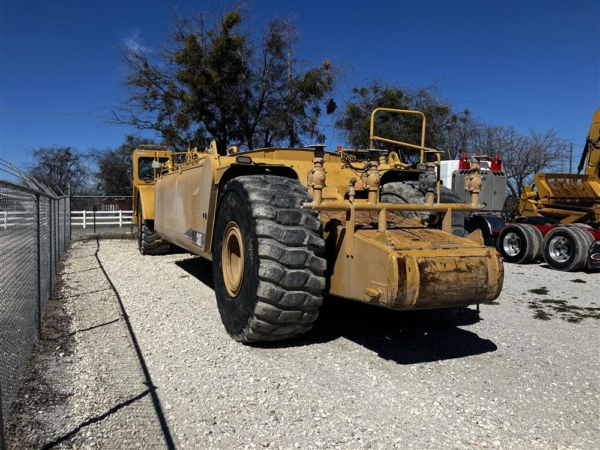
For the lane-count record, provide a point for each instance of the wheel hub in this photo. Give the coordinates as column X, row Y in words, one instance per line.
column 232, row 257
column 559, row 249
column 512, row 244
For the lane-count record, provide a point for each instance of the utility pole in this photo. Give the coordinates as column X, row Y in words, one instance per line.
column 290, row 115
column 571, row 159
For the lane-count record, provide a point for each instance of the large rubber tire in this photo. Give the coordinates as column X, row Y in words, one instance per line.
column 409, row 192
column 147, row 238
column 267, row 264
column 488, row 239
column 520, row 243
column 566, row 248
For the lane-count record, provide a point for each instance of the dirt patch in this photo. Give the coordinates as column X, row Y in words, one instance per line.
column 540, row 291
column 546, row 308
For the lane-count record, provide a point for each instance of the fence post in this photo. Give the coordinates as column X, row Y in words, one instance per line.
column 56, row 233
column 2, row 442
column 70, row 218
column 38, row 257
column 50, row 247
column 120, row 218
column 84, row 219
column 67, row 221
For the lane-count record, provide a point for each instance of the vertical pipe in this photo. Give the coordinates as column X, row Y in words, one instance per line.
column 38, row 258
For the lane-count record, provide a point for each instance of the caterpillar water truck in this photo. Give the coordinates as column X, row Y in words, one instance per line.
column 285, row 226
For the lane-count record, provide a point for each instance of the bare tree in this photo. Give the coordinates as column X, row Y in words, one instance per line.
column 63, row 169
column 523, row 155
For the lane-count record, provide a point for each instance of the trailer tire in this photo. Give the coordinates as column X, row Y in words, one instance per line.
column 520, row 243
column 566, row 248
column 409, row 192
column 267, row 259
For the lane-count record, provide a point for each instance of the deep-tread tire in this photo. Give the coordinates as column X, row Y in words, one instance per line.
column 409, row 192
column 279, row 290
column 566, row 248
column 520, row 243
column 147, row 237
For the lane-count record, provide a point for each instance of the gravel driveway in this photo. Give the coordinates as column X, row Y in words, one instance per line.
column 149, row 365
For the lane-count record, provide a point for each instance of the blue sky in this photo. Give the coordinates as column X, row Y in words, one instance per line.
column 530, row 64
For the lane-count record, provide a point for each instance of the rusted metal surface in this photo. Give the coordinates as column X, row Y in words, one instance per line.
column 425, row 268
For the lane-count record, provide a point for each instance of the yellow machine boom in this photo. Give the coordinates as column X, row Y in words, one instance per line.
column 567, row 197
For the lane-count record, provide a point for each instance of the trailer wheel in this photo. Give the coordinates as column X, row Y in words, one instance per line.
column 147, row 237
column 409, row 192
column 267, row 263
column 566, row 248
column 520, row 243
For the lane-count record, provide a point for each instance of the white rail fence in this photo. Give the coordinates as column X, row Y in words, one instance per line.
column 11, row 219
column 85, row 219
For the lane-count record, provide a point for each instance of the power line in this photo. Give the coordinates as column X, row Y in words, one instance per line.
column 50, row 113
column 58, row 23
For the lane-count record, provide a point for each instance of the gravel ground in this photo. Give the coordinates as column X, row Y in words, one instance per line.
column 149, row 365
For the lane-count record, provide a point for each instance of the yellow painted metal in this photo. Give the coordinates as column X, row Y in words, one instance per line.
column 233, row 259
column 143, row 188
column 568, row 197
column 421, row 147
column 373, row 260
column 424, row 268
column 145, row 201
column 367, row 206
column 186, row 197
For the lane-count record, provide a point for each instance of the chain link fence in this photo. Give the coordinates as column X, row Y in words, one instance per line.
column 34, row 230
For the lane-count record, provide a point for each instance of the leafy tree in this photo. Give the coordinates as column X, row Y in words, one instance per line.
column 213, row 80
column 446, row 130
column 115, row 167
column 63, row 169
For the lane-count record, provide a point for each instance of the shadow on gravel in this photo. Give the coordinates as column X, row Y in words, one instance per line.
column 199, row 268
column 81, row 330
column 403, row 337
column 95, row 419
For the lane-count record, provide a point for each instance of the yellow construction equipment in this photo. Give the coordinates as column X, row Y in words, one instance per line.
column 285, row 226
column 149, row 242
column 569, row 198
